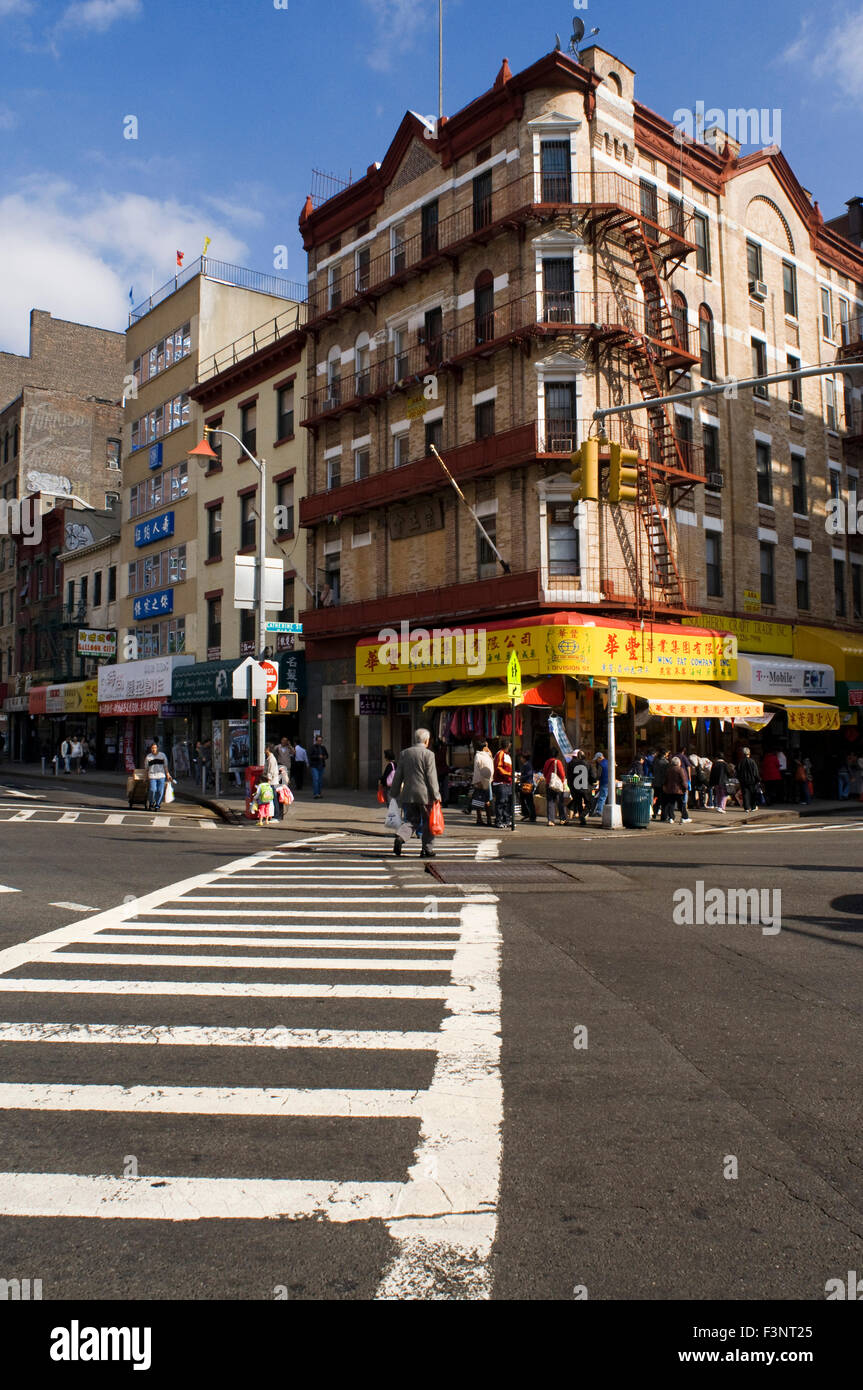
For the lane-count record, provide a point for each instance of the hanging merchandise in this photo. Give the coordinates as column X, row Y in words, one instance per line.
column 707, row 724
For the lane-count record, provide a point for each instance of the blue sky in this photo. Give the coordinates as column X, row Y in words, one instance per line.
column 237, row 100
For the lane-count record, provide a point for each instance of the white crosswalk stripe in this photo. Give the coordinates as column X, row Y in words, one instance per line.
column 87, row 818
column 363, row 935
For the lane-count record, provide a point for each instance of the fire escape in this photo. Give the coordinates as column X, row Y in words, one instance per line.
column 616, row 213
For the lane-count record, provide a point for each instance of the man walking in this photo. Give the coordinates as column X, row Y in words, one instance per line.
column 66, row 755
column 579, row 781
column 748, row 777
column 301, row 760
column 318, row 761
column 415, row 787
column 284, row 755
column 602, row 794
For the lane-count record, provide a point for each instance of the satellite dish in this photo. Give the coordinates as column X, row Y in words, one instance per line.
column 558, row 45
column 577, row 30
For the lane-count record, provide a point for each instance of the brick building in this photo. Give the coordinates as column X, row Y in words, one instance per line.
column 60, row 435
column 552, row 249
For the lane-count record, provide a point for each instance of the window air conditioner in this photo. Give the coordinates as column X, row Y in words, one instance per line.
column 715, row 481
column 757, row 290
column 796, row 407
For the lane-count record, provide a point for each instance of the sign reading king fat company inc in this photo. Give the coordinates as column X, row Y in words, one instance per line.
column 411, row 655
column 146, row 532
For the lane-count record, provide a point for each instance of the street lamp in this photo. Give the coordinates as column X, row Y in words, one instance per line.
column 204, row 456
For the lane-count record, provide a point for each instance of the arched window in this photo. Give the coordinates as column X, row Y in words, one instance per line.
column 615, row 83
column 679, row 315
column 706, row 343
column 483, row 306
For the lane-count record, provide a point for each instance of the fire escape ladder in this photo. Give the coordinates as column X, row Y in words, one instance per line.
column 664, row 571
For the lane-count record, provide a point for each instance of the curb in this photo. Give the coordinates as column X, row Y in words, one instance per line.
column 223, row 812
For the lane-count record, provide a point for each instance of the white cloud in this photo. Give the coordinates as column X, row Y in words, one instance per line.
column 8, row 7
column 8, row 118
column 77, row 254
column 98, row 14
column 397, row 26
column 836, row 54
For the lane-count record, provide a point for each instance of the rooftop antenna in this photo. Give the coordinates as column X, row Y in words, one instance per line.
column 440, row 59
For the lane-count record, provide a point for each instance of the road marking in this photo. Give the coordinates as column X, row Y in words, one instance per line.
column 132, row 1034
column 23, row 815
column 115, row 820
column 30, row 796
column 230, row 989
column 221, row 1100
column 443, row 1219
column 68, row 817
column 408, row 967
column 4, row 889
column 75, row 907
column 284, row 944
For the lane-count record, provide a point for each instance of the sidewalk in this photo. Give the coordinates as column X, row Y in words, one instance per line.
column 116, row 782
column 361, row 813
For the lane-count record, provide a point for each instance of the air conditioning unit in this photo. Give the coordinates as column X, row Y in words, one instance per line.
column 757, row 290
column 796, row 407
column 716, row 481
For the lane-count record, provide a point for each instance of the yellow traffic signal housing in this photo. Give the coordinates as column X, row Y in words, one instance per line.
column 623, row 474
column 585, row 472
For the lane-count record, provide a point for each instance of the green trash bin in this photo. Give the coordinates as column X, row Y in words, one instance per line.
column 636, row 803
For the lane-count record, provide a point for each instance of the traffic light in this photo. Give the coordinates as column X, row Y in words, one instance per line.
column 623, row 474
column 585, row 472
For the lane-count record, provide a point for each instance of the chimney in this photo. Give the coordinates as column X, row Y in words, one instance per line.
column 855, row 220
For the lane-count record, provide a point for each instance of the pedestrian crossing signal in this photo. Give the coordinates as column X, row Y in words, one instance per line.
column 623, row 474
column 287, row 702
column 585, row 472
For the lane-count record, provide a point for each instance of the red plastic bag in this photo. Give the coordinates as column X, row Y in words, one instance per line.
column 436, row 819
column 382, row 801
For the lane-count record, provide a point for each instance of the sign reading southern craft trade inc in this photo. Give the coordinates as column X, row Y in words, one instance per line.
column 92, row 643
column 408, row 656
column 752, row 634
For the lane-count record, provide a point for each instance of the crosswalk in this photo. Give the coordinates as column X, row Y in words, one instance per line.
column 58, row 815
column 319, row 1021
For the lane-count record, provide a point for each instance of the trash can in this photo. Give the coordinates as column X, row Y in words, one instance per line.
column 254, row 775
column 636, row 804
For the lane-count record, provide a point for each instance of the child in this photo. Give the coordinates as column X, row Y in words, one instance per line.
column 263, row 799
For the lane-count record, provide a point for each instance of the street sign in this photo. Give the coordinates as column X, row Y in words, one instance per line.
column 612, row 690
column 245, row 582
column 296, row 628
column 260, row 681
column 272, row 674
column 513, row 679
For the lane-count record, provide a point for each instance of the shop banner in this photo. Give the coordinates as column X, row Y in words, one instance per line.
column 146, row 532
column 130, row 708
column 412, row 656
column 94, row 643
column 752, row 635
column 129, row 746
column 140, row 680
column 154, row 605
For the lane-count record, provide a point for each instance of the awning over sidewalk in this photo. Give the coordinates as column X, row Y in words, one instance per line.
column 807, row 714
column 548, row 694
column 77, row 697
column 843, row 650
column 691, row 700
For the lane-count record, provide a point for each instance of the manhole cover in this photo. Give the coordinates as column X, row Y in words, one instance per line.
column 493, row 871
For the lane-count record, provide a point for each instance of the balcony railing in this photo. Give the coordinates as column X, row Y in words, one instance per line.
column 225, row 274
column 852, row 332
column 605, row 315
column 269, row 333
column 669, row 225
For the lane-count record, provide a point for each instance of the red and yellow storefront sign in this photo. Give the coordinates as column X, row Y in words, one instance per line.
column 80, row 697
column 562, row 644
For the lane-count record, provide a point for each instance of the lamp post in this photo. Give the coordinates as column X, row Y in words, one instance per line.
column 204, row 456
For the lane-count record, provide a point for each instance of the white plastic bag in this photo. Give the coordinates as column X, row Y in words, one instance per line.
column 169, row 793
column 394, row 816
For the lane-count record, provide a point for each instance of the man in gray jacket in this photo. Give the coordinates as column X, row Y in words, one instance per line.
column 415, row 787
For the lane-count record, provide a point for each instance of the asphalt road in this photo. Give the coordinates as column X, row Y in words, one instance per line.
column 330, row 1114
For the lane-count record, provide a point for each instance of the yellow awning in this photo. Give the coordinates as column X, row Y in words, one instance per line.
column 807, row 714
column 841, row 650
column 692, row 700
